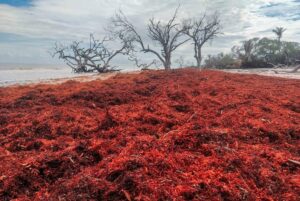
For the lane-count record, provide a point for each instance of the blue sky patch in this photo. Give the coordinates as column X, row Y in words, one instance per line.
column 296, row 17
column 9, row 37
column 270, row 5
column 287, row 11
column 275, row 14
column 18, row 39
column 16, row 3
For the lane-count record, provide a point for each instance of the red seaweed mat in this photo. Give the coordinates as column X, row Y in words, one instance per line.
column 177, row 135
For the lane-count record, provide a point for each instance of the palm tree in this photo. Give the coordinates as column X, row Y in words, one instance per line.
column 279, row 32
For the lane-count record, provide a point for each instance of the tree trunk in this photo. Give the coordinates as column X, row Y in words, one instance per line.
column 167, row 63
column 198, row 56
column 279, row 45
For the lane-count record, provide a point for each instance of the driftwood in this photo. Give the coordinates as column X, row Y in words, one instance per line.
column 294, row 162
column 278, row 65
column 295, row 67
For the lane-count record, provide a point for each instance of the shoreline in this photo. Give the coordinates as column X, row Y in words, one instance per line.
column 270, row 72
column 78, row 78
column 276, row 73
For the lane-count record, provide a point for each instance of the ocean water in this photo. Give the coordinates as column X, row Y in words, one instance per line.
column 11, row 74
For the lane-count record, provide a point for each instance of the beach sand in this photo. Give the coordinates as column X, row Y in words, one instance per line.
column 279, row 72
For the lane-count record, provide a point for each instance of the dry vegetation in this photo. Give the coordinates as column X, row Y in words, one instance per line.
column 158, row 135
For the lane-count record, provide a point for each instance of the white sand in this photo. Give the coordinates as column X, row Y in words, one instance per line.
column 56, row 76
column 279, row 72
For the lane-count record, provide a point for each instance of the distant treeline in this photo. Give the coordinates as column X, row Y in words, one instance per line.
column 258, row 53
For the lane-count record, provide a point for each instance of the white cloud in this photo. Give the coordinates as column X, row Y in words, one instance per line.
column 47, row 21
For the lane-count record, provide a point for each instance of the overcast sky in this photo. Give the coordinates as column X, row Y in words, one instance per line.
column 29, row 28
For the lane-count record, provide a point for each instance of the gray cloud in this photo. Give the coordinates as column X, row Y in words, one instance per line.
column 34, row 29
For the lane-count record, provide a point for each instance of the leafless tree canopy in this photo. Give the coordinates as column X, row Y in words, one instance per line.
column 169, row 36
column 95, row 57
column 201, row 30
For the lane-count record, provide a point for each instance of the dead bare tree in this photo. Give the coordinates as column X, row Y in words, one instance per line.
column 169, row 36
column 180, row 61
column 202, row 30
column 143, row 65
column 95, row 57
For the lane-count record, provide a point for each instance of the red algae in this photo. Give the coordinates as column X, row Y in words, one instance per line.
column 176, row 135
